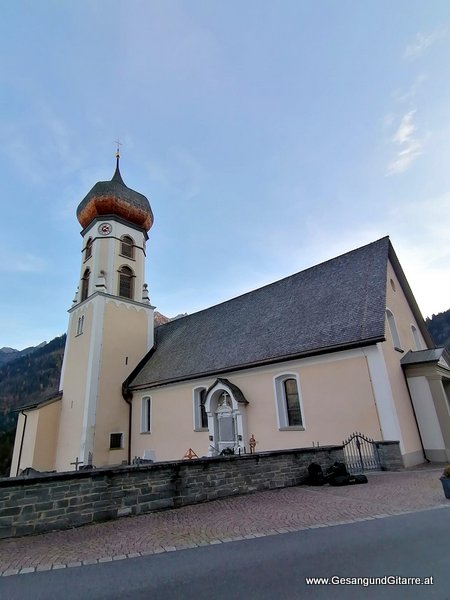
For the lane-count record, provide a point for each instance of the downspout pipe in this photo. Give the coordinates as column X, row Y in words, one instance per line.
column 21, row 441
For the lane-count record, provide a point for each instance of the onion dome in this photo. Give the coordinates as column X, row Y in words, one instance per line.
column 115, row 198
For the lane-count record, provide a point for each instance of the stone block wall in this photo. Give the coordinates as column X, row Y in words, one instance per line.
column 63, row 500
column 390, row 456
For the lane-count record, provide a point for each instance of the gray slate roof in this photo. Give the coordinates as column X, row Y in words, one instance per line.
column 53, row 397
column 339, row 303
column 422, row 356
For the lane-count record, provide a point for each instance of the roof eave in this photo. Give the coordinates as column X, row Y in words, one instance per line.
column 39, row 404
column 410, row 296
column 261, row 363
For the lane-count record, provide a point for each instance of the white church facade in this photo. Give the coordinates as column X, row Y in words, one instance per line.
column 337, row 348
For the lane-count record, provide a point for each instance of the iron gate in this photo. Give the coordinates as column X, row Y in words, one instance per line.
column 361, row 454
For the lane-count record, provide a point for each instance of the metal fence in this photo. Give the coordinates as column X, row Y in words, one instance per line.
column 361, row 454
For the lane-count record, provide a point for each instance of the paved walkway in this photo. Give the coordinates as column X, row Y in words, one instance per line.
column 230, row 519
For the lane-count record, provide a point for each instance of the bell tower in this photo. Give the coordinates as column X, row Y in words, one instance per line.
column 110, row 325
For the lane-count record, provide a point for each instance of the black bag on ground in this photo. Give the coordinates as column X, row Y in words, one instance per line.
column 337, row 474
column 315, row 475
column 340, row 480
column 359, row 479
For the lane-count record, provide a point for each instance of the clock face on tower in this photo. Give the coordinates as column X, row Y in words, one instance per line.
column 104, row 228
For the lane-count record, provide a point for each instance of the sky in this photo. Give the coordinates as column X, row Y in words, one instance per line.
column 268, row 137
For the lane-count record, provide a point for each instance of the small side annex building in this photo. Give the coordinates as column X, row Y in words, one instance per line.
column 337, row 348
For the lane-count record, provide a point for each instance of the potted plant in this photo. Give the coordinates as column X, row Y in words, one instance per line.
column 445, row 479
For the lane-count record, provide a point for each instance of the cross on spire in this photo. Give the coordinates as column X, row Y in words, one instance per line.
column 119, row 143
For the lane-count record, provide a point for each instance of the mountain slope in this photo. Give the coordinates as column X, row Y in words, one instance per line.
column 9, row 354
column 439, row 327
column 29, row 378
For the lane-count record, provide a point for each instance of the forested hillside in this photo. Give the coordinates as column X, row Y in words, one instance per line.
column 29, row 379
column 439, row 327
column 24, row 380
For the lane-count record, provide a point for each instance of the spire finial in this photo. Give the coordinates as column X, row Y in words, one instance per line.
column 119, row 143
column 117, row 176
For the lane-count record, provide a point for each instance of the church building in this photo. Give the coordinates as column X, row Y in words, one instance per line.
column 308, row 360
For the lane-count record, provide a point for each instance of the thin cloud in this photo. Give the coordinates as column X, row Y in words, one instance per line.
column 421, row 43
column 409, row 146
column 38, row 165
column 406, row 129
column 186, row 174
column 408, row 95
column 20, row 153
column 27, row 263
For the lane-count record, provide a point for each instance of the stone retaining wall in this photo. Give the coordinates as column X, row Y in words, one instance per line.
column 62, row 500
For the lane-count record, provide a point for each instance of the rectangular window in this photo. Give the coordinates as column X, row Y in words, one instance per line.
column 115, row 441
column 80, row 325
column 203, row 415
column 146, row 415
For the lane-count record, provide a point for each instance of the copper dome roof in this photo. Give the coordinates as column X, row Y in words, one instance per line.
column 115, row 198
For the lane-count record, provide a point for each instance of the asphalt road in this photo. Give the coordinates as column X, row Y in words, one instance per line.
column 269, row 568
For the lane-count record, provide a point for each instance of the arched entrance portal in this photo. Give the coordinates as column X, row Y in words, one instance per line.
column 225, row 406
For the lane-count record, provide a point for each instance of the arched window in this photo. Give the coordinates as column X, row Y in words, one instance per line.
column 416, row 337
column 88, row 249
column 292, row 400
column 287, row 397
column 126, row 276
column 85, row 285
column 393, row 329
column 146, row 411
column 200, row 416
column 127, row 246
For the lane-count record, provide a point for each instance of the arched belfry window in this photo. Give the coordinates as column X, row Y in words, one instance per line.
column 126, row 277
column 127, row 246
column 85, row 285
column 88, row 249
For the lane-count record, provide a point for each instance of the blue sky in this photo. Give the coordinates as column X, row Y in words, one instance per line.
column 268, row 136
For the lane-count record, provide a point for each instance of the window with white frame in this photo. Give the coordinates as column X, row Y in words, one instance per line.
column 85, row 284
column 288, row 400
column 393, row 329
column 80, row 325
column 126, row 277
column 146, row 414
column 416, row 337
column 115, row 441
column 200, row 416
column 127, row 246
